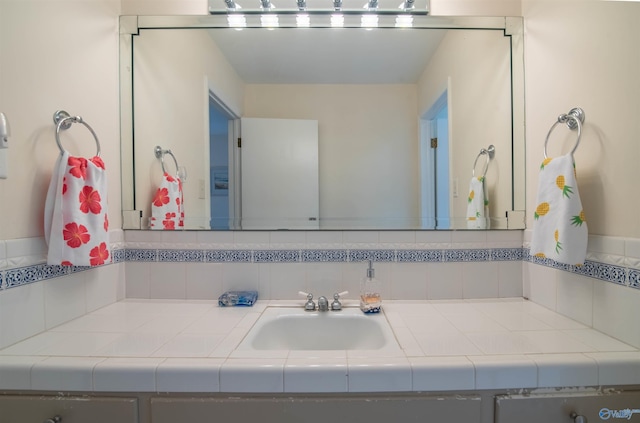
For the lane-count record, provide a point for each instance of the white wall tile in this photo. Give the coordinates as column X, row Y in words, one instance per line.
column 142, row 236
column 616, row 312
column 444, row 281
column 480, row 280
column 324, row 279
column 606, row 245
column 102, row 285
column 287, row 237
column 510, row 279
column 137, row 276
column 64, row 299
column 251, row 237
column 178, row 237
column 167, row 280
column 240, row 276
column 542, row 285
column 287, row 279
column 203, row 281
column 397, row 237
column 360, row 237
column 215, row 237
column 21, row 313
column 409, row 281
column 575, row 297
column 324, row 237
column 434, row 237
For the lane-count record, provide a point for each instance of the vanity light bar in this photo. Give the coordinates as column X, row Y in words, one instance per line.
column 305, row 19
column 408, row 6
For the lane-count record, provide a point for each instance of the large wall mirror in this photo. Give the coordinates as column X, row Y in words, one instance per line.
column 321, row 127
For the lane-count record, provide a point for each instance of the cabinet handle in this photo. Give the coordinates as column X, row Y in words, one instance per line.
column 55, row 419
column 577, row 418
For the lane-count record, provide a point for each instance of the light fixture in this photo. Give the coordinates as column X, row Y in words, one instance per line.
column 337, row 20
column 303, row 20
column 369, row 21
column 371, row 5
column 302, row 4
column 407, row 5
column 337, row 4
column 404, row 21
column 237, row 21
column 269, row 21
column 231, row 5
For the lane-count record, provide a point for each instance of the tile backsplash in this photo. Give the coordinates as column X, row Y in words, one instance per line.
column 411, row 266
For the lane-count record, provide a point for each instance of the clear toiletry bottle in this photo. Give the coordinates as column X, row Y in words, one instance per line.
column 370, row 287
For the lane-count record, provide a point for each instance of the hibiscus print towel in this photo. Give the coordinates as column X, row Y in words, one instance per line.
column 75, row 218
column 167, row 208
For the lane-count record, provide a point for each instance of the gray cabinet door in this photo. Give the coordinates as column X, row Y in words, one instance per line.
column 405, row 409
column 39, row 408
column 559, row 408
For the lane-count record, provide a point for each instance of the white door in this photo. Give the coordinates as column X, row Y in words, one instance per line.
column 279, row 162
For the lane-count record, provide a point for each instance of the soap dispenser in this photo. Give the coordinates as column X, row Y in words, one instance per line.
column 370, row 287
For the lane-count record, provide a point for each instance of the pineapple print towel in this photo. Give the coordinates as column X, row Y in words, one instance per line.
column 559, row 228
column 167, row 208
column 478, row 204
column 76, row 226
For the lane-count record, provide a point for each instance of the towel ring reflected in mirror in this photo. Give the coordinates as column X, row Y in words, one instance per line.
column 489, row 152
column 574, row 119
column 160, row 153
column 64, row 121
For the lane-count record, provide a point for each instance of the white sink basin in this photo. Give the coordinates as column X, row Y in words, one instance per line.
column 281, row 328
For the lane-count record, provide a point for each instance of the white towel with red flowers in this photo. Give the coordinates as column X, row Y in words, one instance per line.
column 167, row 208
column 76, row 225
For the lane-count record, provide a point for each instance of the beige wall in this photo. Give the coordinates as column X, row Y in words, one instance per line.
column 56, row 55
column 578, row 53
column 368, row 144
column 587, row 54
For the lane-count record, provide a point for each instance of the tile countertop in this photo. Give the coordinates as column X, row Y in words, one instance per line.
column 190, row 346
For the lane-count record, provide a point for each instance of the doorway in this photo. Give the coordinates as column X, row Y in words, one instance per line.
column 221, row 165
column 435, row 200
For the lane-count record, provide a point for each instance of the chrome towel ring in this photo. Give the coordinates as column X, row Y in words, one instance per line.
column 64, row 121
column 159, row 152
column 574, row 119
column 489, row 152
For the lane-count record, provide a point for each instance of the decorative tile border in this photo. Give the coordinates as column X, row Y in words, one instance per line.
column 619, row 275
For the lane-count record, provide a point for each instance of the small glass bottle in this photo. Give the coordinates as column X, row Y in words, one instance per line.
column 370, row 287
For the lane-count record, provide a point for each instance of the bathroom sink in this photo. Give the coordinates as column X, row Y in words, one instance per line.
column 281, row 328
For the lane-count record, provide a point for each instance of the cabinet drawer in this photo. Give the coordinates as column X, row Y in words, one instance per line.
column 557, row 408
column 405, row 409
column 78, row 409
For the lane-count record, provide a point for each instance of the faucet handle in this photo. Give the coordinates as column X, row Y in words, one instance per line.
column 336, row 304
column 309, row 305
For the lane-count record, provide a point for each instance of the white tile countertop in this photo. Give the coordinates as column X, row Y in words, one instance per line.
column 190, row 346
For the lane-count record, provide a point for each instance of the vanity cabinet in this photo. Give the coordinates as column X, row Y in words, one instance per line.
column 568, row 408
column 70, row 409
column 318, row 409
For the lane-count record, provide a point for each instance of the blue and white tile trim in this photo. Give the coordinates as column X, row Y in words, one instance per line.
column 621, row 275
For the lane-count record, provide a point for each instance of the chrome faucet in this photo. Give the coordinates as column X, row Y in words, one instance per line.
column 323, row 304
column 336, row 305
column 309, row 305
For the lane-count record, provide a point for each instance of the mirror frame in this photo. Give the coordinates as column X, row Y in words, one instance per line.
column 512, row 26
